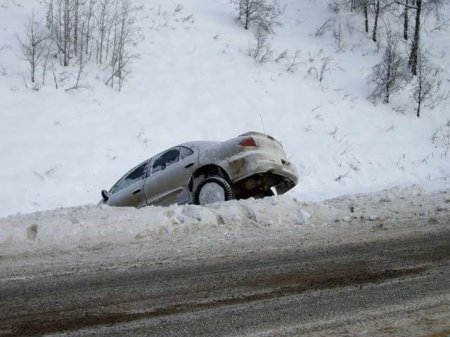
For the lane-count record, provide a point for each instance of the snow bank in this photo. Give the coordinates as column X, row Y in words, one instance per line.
column 90, row 226
column 96, row 227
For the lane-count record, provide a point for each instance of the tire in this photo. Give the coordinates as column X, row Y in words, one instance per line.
column 213, row 189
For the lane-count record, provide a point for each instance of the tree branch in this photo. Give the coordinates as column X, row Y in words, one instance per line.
column 407, row 6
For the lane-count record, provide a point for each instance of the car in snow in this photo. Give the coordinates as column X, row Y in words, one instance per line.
column 202, row 172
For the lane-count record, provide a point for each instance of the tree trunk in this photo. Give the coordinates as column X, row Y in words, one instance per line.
column 415, row 45
column 420, row 90
column 33, row 62
column 247, row 16
column 375, row 25
column 406, row 21
column 60, row 32
column 75, row 26
column 66, row 41
column 88, row 28
column 366, row 15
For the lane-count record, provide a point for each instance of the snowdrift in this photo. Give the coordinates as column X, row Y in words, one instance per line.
column 94, row 228
column 89, row 226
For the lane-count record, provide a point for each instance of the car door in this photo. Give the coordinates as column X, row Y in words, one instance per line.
column 170, row 174
column 129, row 190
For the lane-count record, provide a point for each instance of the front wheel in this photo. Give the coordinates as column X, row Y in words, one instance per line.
column 213, row 189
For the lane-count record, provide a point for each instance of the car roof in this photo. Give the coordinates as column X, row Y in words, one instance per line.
column 201, row 145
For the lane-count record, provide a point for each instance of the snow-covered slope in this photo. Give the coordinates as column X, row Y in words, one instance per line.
column 194, row 80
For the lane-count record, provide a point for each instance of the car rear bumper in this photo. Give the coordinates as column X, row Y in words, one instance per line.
column 255, row 164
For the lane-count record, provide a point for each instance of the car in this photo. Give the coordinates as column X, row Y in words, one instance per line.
column 203, row 172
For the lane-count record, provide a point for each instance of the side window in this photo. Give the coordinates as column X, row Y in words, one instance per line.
column 166, row 159
column 185, row 152
column 137, row 174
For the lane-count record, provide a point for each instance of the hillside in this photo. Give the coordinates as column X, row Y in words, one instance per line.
column 193, row 79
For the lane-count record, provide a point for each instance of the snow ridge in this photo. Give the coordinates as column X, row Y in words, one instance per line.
column 96, row 226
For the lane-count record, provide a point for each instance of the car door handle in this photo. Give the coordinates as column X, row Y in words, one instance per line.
column 136, row 192
column 189, row 165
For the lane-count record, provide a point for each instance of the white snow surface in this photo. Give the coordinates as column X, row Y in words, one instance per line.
column 90, row 226
column 194, row 80
column 96, row 229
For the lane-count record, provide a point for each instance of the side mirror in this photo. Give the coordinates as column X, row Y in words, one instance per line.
column 105, row 195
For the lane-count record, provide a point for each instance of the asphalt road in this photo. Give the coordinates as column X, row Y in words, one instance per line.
column 392, row 286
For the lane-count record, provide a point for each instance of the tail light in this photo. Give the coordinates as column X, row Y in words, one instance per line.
column 249, row 141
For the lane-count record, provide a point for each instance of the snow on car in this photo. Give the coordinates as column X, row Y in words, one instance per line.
column 202, row 172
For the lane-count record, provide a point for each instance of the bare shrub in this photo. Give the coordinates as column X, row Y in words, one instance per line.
column 32, row 45
column 293, row 62
column 121, row 38
column 320, row 72
column 326, row 26
column 338, row 38
column 260, row 50
column 99, row 29
column 283, row 55
column 427, row 91
column 390, row 74
column 334, row 6
column 262, row 13
column 441, row 139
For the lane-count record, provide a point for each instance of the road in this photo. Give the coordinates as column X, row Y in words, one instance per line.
column 386, row 285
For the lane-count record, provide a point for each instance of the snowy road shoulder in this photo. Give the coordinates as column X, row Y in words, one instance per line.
column 276, row 265
column 97, row 227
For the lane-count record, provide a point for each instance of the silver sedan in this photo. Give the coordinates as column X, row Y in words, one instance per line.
column 203, row 172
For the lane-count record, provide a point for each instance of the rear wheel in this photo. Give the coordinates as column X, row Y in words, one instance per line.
column 213, row 189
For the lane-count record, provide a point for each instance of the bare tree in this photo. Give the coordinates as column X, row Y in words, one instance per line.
column 81, row 60
column 76, row 24
column 64, row 19
column 365, row 6
column 104, row 25
column 32, row 46
column 260, row 50
column 375, row 25
column 427, row 91
column 406, row 20
column 415, row 44
column 362, row 6
column 49, row 14
column 353, row 5
column 420, row 7
column 259, row 12
column 66, row 31
column 122, row 37
column 103, row 29
column 60, row 25
column 389, row 75
column 48, row 47
column 379, row 7
column 89, row 15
